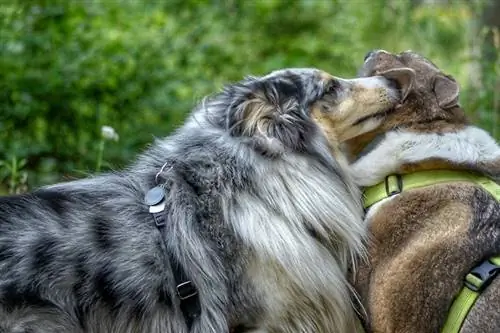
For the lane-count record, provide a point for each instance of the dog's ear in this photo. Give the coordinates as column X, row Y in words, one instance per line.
column 267, row 114
column 405, row 77
column 446, row 90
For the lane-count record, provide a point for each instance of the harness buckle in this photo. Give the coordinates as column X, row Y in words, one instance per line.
column 393, row 185
column 481, row 276
column 186, row 290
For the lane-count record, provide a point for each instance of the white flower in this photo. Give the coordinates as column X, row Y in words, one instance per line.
column 109, row 133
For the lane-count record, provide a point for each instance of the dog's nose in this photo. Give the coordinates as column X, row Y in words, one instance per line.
column 369, row 54
column 374, row 52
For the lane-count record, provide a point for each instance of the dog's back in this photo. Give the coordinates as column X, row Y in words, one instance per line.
column 75, row 249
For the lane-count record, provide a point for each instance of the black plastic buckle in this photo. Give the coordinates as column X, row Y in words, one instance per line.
column 160, row 220
column 186, row 290
column 399, row 182
column 486, row 272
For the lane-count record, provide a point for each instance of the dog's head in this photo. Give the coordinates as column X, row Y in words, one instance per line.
column 429, row 97
column 285, row 110
column 431, row 103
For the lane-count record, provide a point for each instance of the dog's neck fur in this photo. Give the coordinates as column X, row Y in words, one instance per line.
column 402, row 151
column 310, row 197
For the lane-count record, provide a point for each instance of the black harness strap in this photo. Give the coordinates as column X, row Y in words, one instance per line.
column 185, row 288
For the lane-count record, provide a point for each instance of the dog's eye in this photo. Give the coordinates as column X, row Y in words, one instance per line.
column 332, row 87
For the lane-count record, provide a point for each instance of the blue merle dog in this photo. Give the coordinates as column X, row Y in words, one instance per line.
column 251, row 205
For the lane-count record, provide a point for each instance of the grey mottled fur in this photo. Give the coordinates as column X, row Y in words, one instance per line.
column 260, row 215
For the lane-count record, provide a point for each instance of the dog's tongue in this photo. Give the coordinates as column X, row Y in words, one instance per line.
column 403, row 77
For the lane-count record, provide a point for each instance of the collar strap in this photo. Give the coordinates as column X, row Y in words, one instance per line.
column 395, row 184
column 185, row 289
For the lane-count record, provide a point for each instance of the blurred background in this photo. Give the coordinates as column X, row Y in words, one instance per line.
column 70, row 67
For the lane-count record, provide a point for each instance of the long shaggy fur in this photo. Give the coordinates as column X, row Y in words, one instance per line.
column 259, row 214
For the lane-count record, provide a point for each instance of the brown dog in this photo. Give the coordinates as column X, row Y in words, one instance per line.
column 426, row 239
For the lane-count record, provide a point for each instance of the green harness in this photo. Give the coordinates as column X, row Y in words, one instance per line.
column 480, row 276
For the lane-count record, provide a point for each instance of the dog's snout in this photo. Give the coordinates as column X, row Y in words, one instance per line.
column 374, row 53
column 369, row 54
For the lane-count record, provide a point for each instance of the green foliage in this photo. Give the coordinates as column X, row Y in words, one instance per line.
column 13, row 174
column 67, row 68
column 484, row 98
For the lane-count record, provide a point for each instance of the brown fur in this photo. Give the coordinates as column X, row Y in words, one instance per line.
column 421, row 111
column 424, row 241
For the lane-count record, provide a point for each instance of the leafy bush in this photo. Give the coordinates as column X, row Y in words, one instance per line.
column 68, row 68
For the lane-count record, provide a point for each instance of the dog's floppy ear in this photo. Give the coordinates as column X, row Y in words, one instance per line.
column 446, row 90
column 404, row 76
column 267, row 114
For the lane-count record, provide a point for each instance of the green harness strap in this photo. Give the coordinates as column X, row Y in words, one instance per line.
column 480, row 276
column 395, row 184
column 475, row 282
